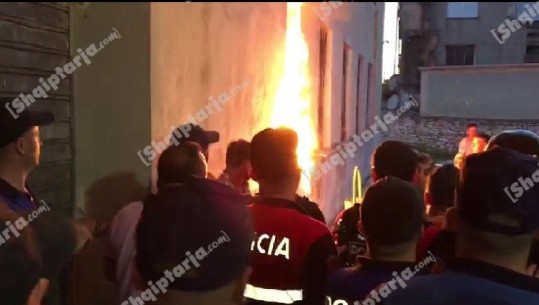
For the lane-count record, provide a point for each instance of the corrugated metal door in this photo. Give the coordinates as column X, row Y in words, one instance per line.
column 34, row 41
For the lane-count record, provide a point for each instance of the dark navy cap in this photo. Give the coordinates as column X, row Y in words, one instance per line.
column 524, row 141
column 196, row 134
column 202, row 222
column 498, row 192
column 12, row 127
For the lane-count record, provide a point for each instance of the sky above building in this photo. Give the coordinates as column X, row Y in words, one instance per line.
column 391, row 42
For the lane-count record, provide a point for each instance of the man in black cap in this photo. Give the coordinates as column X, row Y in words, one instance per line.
column 195, row 133
column 193, row 245
column 494, row 234
column 20, row 148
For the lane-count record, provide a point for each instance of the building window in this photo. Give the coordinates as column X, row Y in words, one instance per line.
column 459, row 55
column 322, row 86
column 345, row 91
column 375, row 36
column 462, row 9
column 528, row 8
column 370, row 82
column 358, row 93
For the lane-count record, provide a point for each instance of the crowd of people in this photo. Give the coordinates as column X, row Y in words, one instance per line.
column 423, row 233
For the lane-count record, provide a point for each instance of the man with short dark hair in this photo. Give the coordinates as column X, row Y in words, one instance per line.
column 494, row 234
column 439, row 196
column 238, row 167
column 292, row 252
column 193, row 245
column 392, row 220
column 398, row 159
column 391, row 158
column 176, row 166
column 440, row 192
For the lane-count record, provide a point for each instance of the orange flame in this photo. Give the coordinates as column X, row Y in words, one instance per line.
column 293, row 100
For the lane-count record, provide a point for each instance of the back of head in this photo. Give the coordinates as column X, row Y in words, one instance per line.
column 273, row 156
column 442, row 185
column 391, row 214
column 237, row 153
column 498, row 200
column 200, row 234
column 397, row 159
column 178, row 164
column 523, row 141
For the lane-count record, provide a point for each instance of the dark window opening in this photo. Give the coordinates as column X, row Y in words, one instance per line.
column 460, row 55
column 321, row 88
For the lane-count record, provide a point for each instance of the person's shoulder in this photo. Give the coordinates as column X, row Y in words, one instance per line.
column 341, row 278
column 413, row 290
column 132, row 208
column 342, row 275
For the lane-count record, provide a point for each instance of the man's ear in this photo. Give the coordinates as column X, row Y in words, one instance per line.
column 20, row 146
column 239, row 290
column 39, row 292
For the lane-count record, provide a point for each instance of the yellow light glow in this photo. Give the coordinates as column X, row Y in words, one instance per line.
column 292, row 105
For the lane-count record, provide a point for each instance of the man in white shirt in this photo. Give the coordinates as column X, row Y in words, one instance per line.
column 466, row 144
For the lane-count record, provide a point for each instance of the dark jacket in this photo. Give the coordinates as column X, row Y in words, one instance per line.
column 469, row 282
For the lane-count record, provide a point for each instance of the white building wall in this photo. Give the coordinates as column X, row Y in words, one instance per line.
column 353, row 24
column 232, row 42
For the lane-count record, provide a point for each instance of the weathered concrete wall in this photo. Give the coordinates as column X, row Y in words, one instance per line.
column 483, row 92
column 444, row 133
column 353, row 24
column 112, row 122
column 246, row 40
column 476, row 31
column 34, row 42
column 220, row 46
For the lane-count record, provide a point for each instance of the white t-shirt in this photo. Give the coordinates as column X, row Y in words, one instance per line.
column 121, row 248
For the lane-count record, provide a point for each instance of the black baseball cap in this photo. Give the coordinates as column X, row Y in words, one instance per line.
column 490, row 196
column 11, row 128
column 273, row 153
column 524, row 141
column 392, row 211
column 196, row 134
column 180, row 219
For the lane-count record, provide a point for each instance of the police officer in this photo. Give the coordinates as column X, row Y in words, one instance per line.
column 292, row 251
column 391, row 158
